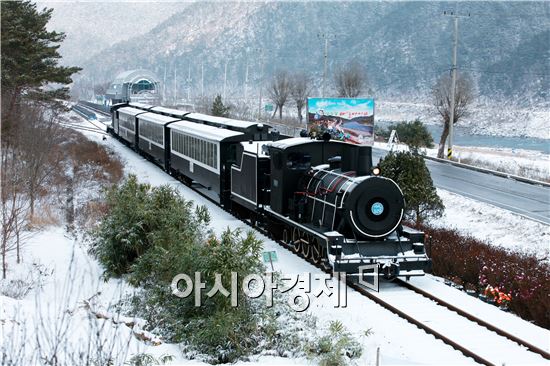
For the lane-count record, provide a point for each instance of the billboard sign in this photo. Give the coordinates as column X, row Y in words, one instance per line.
column 345, row 119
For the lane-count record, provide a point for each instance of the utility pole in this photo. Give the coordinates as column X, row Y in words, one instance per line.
column 224, row 80
column 325, row 59
column 202, row 79
column 453, row 83
column 164, row 84
column 246, row 79
column 189, row 83
column 325, row 67
column 261, row 83
column 453, row 87
column 175, row 84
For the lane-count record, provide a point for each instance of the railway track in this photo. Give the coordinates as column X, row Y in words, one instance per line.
column 432, row 316
column 475, row 338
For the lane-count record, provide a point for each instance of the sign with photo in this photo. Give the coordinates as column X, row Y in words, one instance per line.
column 345, row 119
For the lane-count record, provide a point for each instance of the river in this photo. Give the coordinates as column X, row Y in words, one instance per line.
column 463, row 138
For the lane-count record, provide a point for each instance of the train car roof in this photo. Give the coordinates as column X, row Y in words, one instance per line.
column 255, row 147
column 157, row 118
column 130, row 110
column 222, row 120
column 205, row 131
column 140, row 105
column 171, row 111
column 295, row 141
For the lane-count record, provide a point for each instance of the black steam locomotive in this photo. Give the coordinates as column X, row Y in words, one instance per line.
column 322, row 197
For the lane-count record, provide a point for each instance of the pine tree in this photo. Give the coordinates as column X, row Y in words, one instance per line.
column 29, row 56
column 414, row 134
column 411, row 174
column 218, row 109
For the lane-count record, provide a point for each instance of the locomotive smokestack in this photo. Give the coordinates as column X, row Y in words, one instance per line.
column 363, row 161
column 349, row 158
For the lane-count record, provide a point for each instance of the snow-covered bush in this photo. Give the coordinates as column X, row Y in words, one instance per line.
column 29, row 277
column 150, row 235
column 337, row 347
column 216, row 330
column 141, row 218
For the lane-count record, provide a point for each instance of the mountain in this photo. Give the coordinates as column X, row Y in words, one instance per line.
column 404, row 46
column 91, row 26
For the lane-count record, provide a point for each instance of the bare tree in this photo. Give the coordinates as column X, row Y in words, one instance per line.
column 101, row 88
column 14, row 203
column 350, row 80
column 300, row 89
column 40, row 140
column 30, row 146
column 464, row 95
column 279, row 91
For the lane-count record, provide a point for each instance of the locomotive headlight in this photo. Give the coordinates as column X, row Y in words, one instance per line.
column 376, row 171
column 377, row 208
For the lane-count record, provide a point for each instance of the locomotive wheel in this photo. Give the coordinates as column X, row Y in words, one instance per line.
column 296, row 241
column 306, row 249
column 317, row 252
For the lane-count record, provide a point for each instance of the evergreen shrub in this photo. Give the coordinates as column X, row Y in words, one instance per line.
column 150, row 235
column 411, row 174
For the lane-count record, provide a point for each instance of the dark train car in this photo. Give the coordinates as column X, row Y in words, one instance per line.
column 114, row 117
column 253, row 130
column 126, row 124
column 204, row 154
column 154, row 137
column 250, row 176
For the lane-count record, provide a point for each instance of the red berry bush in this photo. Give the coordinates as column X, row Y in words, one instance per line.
column 520, row 282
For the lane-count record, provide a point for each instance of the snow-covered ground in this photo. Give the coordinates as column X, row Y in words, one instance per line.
column 483, row 119
column 494, row 225
column 399, row 342
column 524, row 163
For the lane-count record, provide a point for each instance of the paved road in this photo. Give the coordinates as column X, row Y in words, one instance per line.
column 529, row 200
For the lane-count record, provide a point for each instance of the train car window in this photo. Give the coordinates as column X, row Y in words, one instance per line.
column 216, row 156
column 277, row 159
column 187, row 145
column 232, row 156
column 298, row 161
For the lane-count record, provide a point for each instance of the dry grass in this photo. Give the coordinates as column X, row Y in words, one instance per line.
column 531, row 172
column 45, row 215
column 89, row 157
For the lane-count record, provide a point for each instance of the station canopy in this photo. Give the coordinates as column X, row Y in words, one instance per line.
column 135, row 86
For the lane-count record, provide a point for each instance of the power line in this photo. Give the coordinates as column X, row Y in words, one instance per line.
column 503, row 72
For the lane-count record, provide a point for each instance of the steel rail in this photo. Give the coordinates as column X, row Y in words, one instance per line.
column 93, row 109
column 365, row 292
column 475, row 319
